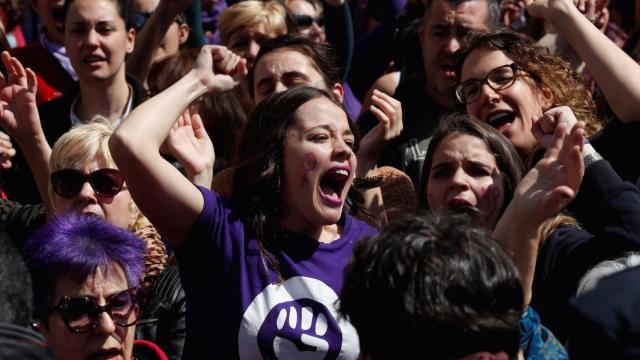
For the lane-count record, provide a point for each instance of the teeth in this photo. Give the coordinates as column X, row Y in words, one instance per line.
column 342, row 172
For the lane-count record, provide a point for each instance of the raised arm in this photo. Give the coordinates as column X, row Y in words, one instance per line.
column 190, row 144
column 167, row 198
column 151, row 36
column 615, row 72
column 19, row 117
column 543, row 193
column 388, row 111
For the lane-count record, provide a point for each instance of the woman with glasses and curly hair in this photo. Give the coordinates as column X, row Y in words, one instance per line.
column 516, row 86
column 510, row 82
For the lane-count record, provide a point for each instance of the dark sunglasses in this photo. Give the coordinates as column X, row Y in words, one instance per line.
column 81, row 314
column 105, row 182
column 305, row 21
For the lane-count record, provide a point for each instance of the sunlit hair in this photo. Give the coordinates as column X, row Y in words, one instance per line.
column 252, row 13
column 546, row 70
column 78, row 246
column 82, row 144
column 506, row 156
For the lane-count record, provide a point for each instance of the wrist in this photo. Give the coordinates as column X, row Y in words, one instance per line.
column 591, row 158
column 368, row 182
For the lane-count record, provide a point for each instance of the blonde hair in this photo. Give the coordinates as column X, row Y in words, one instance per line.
column 82, row 144
column 85, row 143
column 252, row 13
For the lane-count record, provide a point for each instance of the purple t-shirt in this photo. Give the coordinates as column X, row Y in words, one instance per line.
column 236, row 310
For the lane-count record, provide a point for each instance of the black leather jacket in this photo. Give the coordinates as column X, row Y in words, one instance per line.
column 163, row 317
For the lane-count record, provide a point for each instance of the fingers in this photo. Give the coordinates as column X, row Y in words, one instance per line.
column 557, row 140
column 574, row 139
column 32, row 81
column 387, row 110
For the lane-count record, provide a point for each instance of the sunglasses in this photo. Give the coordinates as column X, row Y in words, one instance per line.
column 105, row 182
column 81, row 314
column 305, row 21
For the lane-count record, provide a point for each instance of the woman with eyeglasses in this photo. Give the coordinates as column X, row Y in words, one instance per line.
column 517, row 87
column 508, row 81
column 470, row 167
column 306, row 17
column 86, row 277
column 79, row 176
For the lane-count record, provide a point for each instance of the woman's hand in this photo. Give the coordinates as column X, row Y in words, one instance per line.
column 7, row 151
column 511, row 10
column 543, row 129
column 219, row 69
column 389, row 113
column 555, row 179
column 18, row 107
column 190, row 144
column 591, row 9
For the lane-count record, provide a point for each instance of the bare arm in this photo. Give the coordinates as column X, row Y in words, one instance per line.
column 152, row 181
column 615, row 72
column 389, row 113
column 151, row 36
column 542, row 193
column 19, row 117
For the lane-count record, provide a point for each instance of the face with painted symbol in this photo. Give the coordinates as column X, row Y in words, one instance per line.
column 464, row 174
column 319, row 163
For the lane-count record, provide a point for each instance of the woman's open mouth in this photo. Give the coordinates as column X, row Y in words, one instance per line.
column 501, row 120
column 333, row 184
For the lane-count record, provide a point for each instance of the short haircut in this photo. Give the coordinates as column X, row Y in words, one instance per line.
column 433, row 286
column 77, row 246
column 80, row 145
column 323, row 57
column 252, row 13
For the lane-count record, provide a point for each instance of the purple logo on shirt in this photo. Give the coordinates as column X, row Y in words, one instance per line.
column 297, row 319
column 300, row 329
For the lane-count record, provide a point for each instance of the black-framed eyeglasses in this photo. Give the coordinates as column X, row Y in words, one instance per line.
column 105, row 182
column 80, row 314
column 500, row 78
column 305, row 21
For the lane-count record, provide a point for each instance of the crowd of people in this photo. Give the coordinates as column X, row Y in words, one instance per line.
column 306, row 179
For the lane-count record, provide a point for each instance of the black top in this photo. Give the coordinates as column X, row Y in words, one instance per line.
column 421, row 115
column 609, row 210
